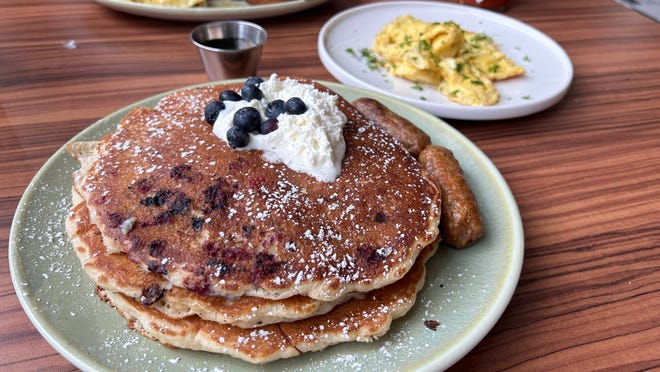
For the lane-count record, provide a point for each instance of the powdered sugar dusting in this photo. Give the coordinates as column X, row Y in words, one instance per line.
column 344, row 233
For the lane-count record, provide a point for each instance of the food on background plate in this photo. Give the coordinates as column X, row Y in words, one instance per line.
column 462, row 65
column 480, row 51
column 262, row 2
column 199, row 3
column 412, row 48
column 175, row 3
column 205, row 217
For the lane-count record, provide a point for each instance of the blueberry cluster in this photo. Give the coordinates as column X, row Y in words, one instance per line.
column 248, row 119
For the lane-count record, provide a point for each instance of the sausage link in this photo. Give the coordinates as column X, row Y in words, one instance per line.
column 460, row 221
column 411, row 138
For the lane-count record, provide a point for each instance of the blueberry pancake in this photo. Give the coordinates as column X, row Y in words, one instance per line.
column 361, row 320
column 215, row 217
column 116, row 273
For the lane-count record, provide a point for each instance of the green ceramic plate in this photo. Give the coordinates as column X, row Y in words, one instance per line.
column 466, row 291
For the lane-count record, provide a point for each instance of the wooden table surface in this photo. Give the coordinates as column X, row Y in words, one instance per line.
column 585, row 173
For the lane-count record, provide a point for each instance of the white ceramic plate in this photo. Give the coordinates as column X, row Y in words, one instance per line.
column 548, row 68
column 217, row 10
column 466, row 290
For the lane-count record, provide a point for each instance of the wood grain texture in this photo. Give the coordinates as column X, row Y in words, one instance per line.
column 585, row 173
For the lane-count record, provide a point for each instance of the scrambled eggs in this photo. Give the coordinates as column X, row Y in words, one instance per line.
column 413, row 48
column 480, row 51
column 461, row 64
column 465, row 84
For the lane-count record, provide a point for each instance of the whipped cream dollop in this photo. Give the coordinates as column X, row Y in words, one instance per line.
column 311, row 142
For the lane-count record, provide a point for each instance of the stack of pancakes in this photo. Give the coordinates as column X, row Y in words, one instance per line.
column 204, row 247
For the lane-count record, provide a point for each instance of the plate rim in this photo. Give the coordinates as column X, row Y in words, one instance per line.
column 451, row 110
column 209, row 13
column 469, row 338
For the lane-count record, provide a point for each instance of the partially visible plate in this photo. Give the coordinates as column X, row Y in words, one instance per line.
column 466, row 290
column 549, row 70
column 218, row 10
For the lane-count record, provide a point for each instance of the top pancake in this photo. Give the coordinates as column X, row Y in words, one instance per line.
column 180, row 202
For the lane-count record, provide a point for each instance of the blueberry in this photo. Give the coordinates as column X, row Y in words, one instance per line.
column 250, row 92
column 254, row 80
column 230, row 95
column 295, row 106
column 237, row 137
column 274, row 108
column 248, row 119
column 212, row 110
column 268, row 126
